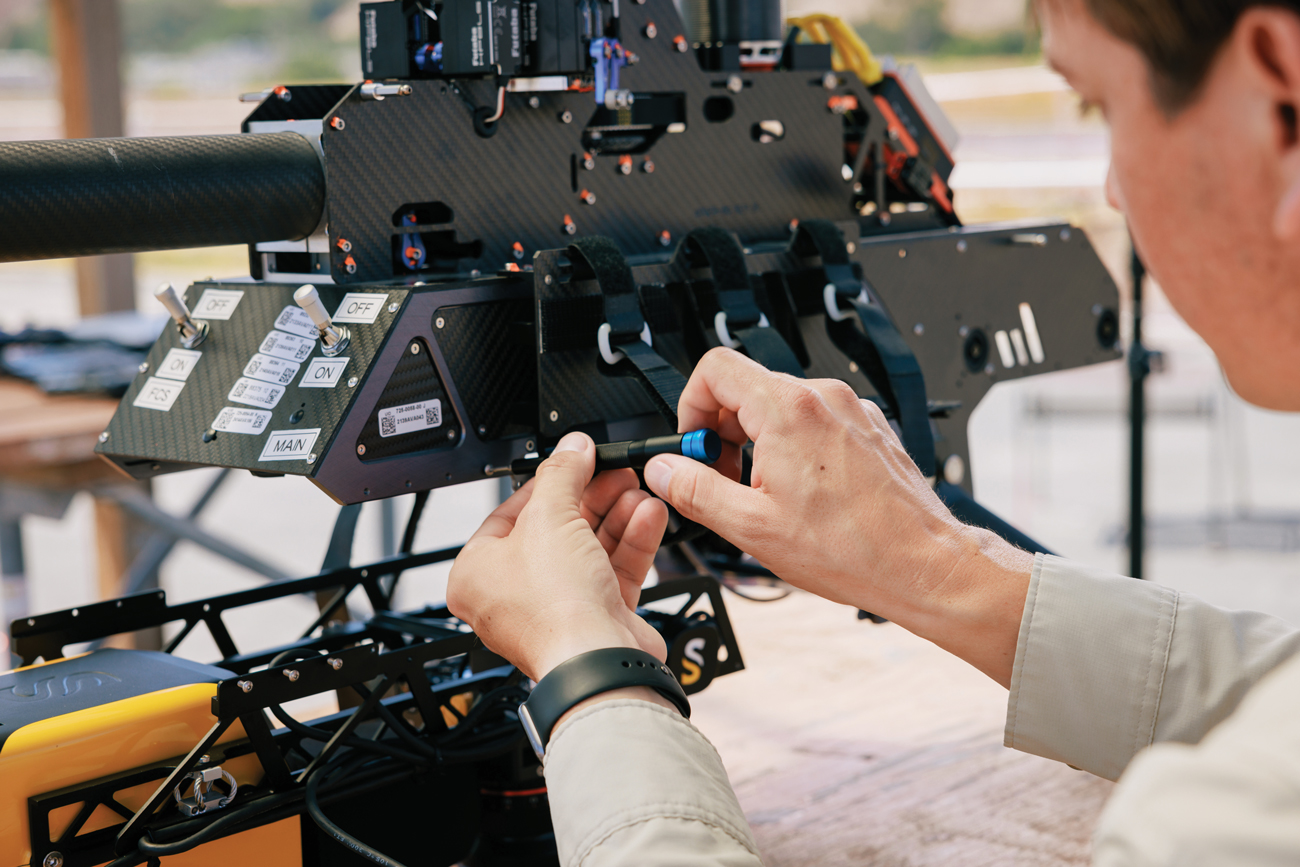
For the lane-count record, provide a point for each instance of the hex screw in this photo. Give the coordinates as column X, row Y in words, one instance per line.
column 245, row 685
column 54, row 859
column 352, row 382
column 361, row 448
column 555, row 415
column 103, row 437
column 144, row 367
column 311, row 458
column 392, row 308
column 415, row 349
column 291, row 673
column 650, row 30
column 439, row 322
column 534, row 102
column 566, row 116
column 335, row 663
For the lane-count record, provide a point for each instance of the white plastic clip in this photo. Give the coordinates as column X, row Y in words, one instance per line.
column 614, row 356
column 833, row 305
column 724, row 336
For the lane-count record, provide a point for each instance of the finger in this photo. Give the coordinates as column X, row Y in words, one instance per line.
column 726, row 380
column 562, row 478
column 502, row 520
column 604, row 492
column 701, row 494
column 615, row 523
column 636, row 549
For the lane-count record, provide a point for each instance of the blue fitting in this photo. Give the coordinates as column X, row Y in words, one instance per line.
column 703, row 445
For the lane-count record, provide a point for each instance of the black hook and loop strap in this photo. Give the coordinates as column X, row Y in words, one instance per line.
column 877, row 347
column 628, row 336
column 739, row 322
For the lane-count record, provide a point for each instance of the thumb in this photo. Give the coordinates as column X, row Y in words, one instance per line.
column 702, row 494
column 564, row 475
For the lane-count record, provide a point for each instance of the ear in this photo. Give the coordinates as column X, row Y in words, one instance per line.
column 1268, row 39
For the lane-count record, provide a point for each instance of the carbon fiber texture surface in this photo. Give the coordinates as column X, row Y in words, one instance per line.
column 409, row 417
column 94, row 196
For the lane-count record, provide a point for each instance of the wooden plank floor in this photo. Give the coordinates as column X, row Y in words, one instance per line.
column 855, row 744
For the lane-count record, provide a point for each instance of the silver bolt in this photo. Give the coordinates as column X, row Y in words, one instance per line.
column 245, row 685
column 829, row 81
column 335, row 663
column 918, row 329
column 203, row 760
column 555, row 415
column 548, row 279
column 144, row 367
column 566, row 116
column 651, row 31
column 902, row 254
column 54, row 859
column 365, row 573
column 530, row 446
column 482, row 430
column 311, row 458
column 1065, row 234
column 734, row 84
column 392, row 308
column 415, row 348
column 990, row 369
column 534, row 102
column 451, row 434
column 850, row 248
column 291, row 673
column 961, row 246
column 352, row 382
column 361, row 448
column 853, row 367
column 103, row 437
column 963, row 331
column 440, row 322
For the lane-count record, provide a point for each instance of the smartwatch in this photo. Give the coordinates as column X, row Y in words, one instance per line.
column 588, row 674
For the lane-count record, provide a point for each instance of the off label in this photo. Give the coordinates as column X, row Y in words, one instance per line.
column 270, row 369
column 323, row 373
column 158, row 394
column 360, row 307
column 295, row 320
column 289, row 445
column 287, row 346
column 232, row 419
column 254, row 393
column 413, row 417
column 217, row 304
column 179, row 363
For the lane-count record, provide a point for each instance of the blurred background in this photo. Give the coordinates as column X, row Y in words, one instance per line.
column 1050, row 453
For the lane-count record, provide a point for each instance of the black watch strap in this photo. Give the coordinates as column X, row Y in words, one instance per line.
column 589, row 674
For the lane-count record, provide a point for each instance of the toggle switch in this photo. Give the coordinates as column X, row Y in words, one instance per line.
column 334, row 338
column 192, row 332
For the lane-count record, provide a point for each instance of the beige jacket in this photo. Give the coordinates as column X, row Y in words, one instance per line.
column 1105, row 666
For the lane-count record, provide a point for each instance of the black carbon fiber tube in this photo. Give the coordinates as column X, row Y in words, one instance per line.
column 87, row 197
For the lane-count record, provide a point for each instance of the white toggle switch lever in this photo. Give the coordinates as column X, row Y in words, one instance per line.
column 334, row 338
column 192, row 332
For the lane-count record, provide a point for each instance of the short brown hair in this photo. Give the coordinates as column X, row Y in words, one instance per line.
column 1179, row 38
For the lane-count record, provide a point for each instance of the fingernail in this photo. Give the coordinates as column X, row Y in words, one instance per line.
column 574, row 442
column 658, row 475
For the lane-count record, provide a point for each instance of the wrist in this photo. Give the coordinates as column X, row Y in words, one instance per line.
column 566, row 643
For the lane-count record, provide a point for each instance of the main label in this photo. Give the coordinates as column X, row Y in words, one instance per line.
column 233, row 419
column 158, row 394
column 413, row 417
column 361, row 307
column 289, row 445
column 254, row 393
column 270, row 369
column 179, row 363
column 217, row 304
column 290, row 347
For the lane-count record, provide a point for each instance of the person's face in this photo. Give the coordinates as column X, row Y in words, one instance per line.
column 1201, row 189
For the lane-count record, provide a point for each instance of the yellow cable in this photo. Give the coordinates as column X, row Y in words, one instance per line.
column 849, row 53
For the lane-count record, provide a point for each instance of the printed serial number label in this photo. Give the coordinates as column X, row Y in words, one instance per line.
column 413, row 417
column 158, row 394
column 232, row 419
column 270, row 369
column 254, row 393
column 295, row 320
column 290, row 347
column 289, row 445
column 323, row 373
column 217, row 303
column 179, row 363
column 361, row 307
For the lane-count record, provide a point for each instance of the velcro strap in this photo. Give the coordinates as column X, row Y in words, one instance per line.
column 821, row 238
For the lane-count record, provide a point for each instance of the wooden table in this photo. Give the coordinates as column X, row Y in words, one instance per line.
column 850, row 743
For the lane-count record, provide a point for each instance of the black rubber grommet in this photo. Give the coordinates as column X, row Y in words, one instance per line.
column 481, row 126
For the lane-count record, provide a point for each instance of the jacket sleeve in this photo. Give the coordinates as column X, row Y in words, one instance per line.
column 633, row 783
column 1106, row 665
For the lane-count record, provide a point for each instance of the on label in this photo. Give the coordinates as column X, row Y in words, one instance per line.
column 270, row 369
column 179, row 363
column 254, row 393
column 323, row 373
column 413, row 417
column 289, row 445
column 233, row 419
column 360, row 307
column 158, row 394
column 217, row 303
column 295, row 320
column 287, row 346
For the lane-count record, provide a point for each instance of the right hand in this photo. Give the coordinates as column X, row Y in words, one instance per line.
column 836, row 506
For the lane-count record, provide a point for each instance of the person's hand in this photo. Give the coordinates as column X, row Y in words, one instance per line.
column 557, row 569
column 836, row 506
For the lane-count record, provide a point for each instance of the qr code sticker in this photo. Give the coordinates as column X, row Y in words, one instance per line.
column 432, row 416
column 223, row 419
column 253, row 367
column 387, row 425
column 240, row 388
column 258, row 421
column 287, row 376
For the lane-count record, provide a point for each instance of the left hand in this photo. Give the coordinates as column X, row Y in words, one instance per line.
column 557, row 569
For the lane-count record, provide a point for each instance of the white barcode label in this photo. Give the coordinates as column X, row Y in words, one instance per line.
column 362, row 307
column 254, row 393
column 217, row 304
column 270, row 369
column 413, row 417
column 295, row 320
column 323, row 373
column 289, row 445
column 290, row 347
column 158, row 394
column 179, row 363
column 233, row 419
